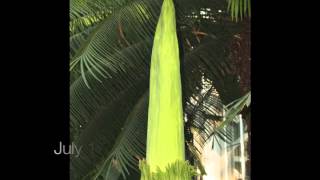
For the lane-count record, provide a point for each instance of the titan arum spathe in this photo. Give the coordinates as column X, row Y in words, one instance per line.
column 165, row 139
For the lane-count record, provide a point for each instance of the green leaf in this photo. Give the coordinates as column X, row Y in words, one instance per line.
column 241, row 8
column 236, row 9
column 104, row 40
column 130, row 143
column 232, row 110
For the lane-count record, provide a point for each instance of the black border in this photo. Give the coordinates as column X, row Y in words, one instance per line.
column 36, row 89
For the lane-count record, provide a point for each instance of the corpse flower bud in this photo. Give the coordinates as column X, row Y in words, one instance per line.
column 165, row 139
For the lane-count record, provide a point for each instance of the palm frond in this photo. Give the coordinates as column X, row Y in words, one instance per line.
column 97, row 141
column 108, row 34
column 239, row 9
column 94, row 52
column 130, row 144
column 231, row 111
column 86, row 103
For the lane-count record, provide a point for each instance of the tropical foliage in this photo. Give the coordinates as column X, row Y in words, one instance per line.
column 239, row 8
column 110, row 54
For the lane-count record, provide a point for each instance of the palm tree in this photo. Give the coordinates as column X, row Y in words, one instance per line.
column 110, row 53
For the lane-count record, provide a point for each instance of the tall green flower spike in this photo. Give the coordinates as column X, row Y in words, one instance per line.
column 165, row 139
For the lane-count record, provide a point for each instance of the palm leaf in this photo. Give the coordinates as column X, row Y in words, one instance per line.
column 84, row 102
column 239, row 9
column 130, row 144
column 231, row 111
column 95, row 52
column 97, row 142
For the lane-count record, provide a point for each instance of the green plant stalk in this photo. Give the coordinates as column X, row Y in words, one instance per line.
column 165, row 139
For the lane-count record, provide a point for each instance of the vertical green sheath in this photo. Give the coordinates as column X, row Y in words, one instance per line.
column 165, row 139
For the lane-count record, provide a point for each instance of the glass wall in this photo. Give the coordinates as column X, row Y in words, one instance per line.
column 226, row 158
